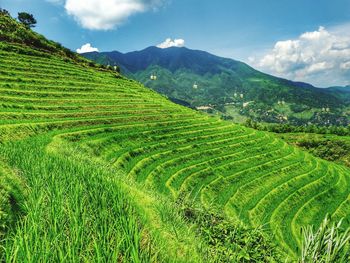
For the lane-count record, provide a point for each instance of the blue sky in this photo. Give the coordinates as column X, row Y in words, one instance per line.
column 270, row 35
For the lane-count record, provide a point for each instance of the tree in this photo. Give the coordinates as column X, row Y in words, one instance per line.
column 4, row 12
column 27, row 20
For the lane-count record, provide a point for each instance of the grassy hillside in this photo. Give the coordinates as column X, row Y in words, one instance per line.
column 229, row 87
column 96, row 166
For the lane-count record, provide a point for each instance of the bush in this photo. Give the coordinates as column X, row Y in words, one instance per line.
column 227, row 241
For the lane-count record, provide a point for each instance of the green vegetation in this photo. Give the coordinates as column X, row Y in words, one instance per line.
column 226, row 241
column 61, row 223
column 287, row 128
column 96, row 167
column 326, row 146
column 26, row 19
column 326, row 245
column 330, row 143
column 12, row 193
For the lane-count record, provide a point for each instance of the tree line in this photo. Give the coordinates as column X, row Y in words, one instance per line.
column 288, row 128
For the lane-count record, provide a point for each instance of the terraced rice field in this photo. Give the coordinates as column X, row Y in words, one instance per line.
column 252, row 176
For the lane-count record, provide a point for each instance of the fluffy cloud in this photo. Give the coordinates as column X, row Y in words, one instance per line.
column 106, row 14
column 321, row 57
column 172, row 43
column 86, row 48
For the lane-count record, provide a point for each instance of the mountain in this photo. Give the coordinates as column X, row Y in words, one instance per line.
column 345, row 89
column 229, row 87
column 342, row 93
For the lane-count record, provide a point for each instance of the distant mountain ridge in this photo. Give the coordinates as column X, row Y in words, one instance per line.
column 229, row 87
column 172, row 58
column 345, row 89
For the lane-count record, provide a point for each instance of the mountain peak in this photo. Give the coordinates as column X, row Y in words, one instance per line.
column 172, row 58
column 155, row 48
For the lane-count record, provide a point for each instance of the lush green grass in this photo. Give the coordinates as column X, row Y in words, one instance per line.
column 12, row 193
column 78, row 210
column 104, row 159
column 61, row 223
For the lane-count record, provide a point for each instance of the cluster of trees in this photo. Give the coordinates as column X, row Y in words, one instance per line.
column 288, row 128
column 26, row 19
column 328, row 149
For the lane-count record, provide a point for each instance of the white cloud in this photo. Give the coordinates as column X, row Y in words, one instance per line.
column 321, row 57
column 172, row 43
column 106, row 14
column 86, row 48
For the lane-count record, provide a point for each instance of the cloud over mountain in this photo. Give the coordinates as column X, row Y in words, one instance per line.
column 172, row 43
column 321, row 57
column 86, row 48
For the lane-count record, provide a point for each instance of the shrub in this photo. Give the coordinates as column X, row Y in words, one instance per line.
column 227, row 241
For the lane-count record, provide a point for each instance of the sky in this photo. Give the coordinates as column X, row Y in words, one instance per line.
column 302, row 40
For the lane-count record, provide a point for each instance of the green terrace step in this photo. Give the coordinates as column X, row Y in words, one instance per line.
column 288, row 208
column 154, row 136
column 206, row 159
column 71, row 89
column 250, row 193
column 68, row 94
column 69, row 115
column 169, row 151
column 114, row 117
column 52, row 109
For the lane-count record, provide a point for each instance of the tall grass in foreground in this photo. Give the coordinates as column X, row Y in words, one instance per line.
column 329, row 243
column 74, row 212
column 12, row 193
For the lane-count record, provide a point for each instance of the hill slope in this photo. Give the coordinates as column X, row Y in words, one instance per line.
column 82, row 139
column 341, row 92
column 203, row 79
